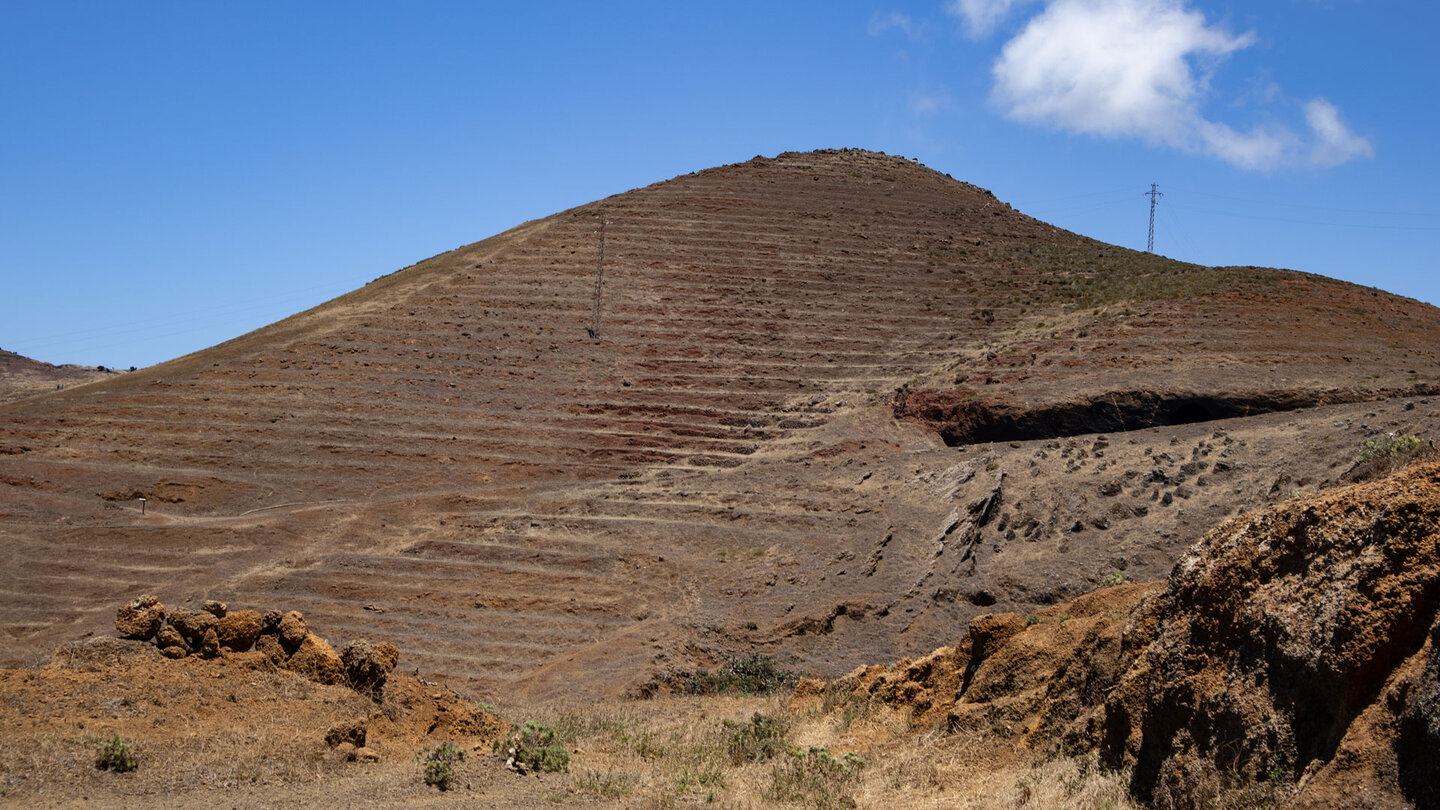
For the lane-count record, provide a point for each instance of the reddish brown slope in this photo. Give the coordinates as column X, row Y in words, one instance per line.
column 447, row 458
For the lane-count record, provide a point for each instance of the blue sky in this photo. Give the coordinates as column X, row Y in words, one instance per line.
column 174, row 174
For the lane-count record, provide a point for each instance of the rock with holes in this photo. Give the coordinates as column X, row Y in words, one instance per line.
column 171, row 643
column 192, row 624
column 317, row 660
column 140, row 618
column 293, row 630
column 269, row 645
column 238, row 631
column 350, row 731
column 368, row 665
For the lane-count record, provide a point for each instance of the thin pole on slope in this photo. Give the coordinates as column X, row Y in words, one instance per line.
column 1154, row 195
column 594, row 329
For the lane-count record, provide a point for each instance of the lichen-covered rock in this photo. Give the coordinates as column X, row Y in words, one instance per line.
column 140, row 618
column 368, row 665
column 317, row 660
column 215, row 608
column 238, row 631
column 293, row 630
column 192, row 624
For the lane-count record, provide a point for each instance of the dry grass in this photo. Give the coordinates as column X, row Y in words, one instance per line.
column 678, row 751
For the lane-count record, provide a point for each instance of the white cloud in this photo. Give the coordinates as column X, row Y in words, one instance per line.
column 1140, row 69
column 1334, row 142
column 982, row 16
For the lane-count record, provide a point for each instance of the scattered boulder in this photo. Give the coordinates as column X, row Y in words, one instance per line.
column 316, row 660
column 293, row 630
column 209, row 646
column 368, row 665
column 351, row 732
column 269, row 645
column 140, row 618
column 171, row 643
column 239, row 631
column 215, row 608
column 192, row 624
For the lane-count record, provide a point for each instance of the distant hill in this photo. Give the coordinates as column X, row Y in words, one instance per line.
column 21, row 376
column 825, row 407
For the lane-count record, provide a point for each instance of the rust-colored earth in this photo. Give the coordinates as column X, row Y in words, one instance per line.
column 448, row 460
column 523, row 461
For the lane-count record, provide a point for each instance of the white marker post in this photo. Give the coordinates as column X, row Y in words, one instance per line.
column 142, row 506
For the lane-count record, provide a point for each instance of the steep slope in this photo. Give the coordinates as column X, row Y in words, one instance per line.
column 631, row 436
column 1290, row 659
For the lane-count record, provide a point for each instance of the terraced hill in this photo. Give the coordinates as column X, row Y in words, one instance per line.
column 824, row 406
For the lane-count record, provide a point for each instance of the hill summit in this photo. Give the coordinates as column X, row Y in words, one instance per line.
column 825, row 407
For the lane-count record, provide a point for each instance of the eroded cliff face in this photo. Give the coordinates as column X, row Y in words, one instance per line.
column 1293, row 652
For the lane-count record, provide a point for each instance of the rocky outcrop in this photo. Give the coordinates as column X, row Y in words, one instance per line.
column 282, row 640
column 368, row 665
column 1275, row 634
column 1292, row 658
column 141, row 618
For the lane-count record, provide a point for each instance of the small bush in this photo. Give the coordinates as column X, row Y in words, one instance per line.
column 760, row 740
column 537, row 747
column 437, row 763
column 115, row 754
column 1382, row 456
column 816, row 777
column 1112, row 579
column 741, row 675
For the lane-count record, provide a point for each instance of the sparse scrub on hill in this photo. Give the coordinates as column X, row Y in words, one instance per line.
column 816, row 777
column 534, row 746
column 116, row 754
column 437, row 764
column 1384, row 455
column 752, row 674
column 757, row 741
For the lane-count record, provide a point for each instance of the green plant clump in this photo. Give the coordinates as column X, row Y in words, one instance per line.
column 760, row 740
column 537, row 747
column 437, row 764
column 1390, row 446
column 1112, row 579
column 115, row 754
column 816, row 777
column 753, row 674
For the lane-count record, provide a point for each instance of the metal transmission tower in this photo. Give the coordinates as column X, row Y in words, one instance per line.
column 1154, row 195
column 594, row 328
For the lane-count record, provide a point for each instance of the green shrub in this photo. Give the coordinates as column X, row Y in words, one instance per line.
column 537, row 747
column 1112, row 579
column 741, row 675
column 437, row 763
column 816, row 777
column 757, row 741
column 1381, row 456
column 115, row 754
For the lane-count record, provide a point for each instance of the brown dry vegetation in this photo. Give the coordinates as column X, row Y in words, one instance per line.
column 836, row 407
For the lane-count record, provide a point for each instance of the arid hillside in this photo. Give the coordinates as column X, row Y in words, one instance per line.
column 825, row 406
column 22, row 377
